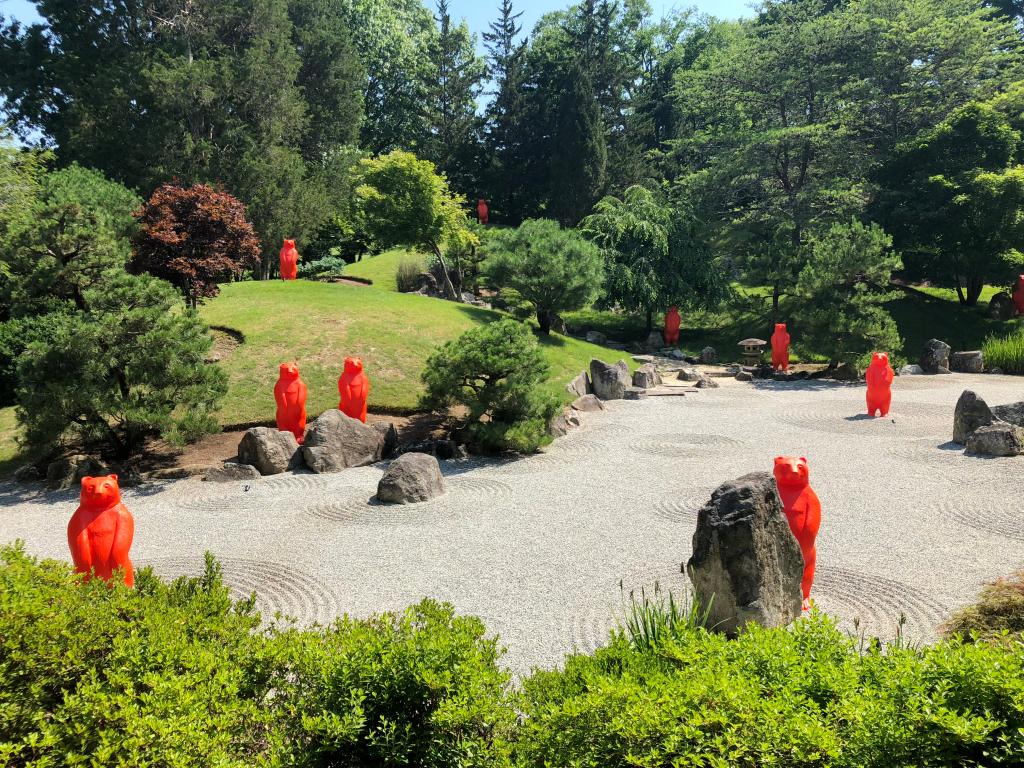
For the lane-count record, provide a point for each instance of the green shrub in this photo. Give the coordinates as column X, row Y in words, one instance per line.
column 180, row 675
column 328, row 266
column 496, row 371
column 998, row 613
column 1005, row 352
column 407, row 276
column 798, row 697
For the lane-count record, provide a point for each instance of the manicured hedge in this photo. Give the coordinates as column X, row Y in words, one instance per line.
column 180, row 675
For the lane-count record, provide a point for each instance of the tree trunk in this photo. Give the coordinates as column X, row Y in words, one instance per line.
column 544, row 321
column 975, row 285
column 776, row 293
column 650, row 321
column 447, row 286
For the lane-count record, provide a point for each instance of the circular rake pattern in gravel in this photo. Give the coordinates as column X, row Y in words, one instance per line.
column 236, row 497
column 909, row 419
column 1007, row 521
column 280, row 589
column 681, row 506
column 311, row 483
column 364, row 510
column 586, row 632
column 874, row 606
column 478, row 487
column 684, row 445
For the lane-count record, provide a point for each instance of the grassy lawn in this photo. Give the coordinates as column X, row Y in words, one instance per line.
column 319, row 324
column 8, row 441
column 381, row 269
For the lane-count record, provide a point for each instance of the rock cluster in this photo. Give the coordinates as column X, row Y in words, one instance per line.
column 985, row 431
column 746, row 564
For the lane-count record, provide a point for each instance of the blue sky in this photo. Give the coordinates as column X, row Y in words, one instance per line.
column 479, row 13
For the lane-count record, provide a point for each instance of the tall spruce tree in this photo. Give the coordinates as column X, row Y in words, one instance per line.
column 580, row 156
column 453, row 124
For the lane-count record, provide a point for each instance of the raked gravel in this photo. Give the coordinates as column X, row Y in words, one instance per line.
column 546, row 549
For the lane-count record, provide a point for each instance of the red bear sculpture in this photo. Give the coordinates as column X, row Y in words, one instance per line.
column 1018, row 295
column 353, row 389
column 481, row 210
column 289, row 260
column 672, row 323
column 780, row 348
column 803, row 511
column 101, row 530
column 879, row 377
column 290, row 395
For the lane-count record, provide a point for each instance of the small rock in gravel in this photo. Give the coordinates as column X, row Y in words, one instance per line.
column 998, row 439
column 588, row 403
column 995, row 371
column 634, row 393
column 970, row 413
column 746, row 564
column 411, row 478
column 643, row 358
column 558, row 425
column 230, row 471
column 646, row 376
column 705, row 382
column 744, row 376
column 967, row 362
column 609, row 381
column 910, row 370
column 676, row 354
column 689, row 374
column 271, row 451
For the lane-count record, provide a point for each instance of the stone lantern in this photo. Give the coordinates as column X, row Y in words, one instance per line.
column 752, row 349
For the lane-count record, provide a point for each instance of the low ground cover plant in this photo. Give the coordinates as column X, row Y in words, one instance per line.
column 997, row 614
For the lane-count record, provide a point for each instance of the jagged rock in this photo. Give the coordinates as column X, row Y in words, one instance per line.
column 587, row 403
column 998, row 439
column 596, row 337
column 970, row 413
column 609, row 382
column 708, row 356
column 388, row 438
column 967, row 362
column 910, row 370
column 646, row 376
column 655, row 340
column 744, row 376
column 746, row 564
column 335, row 442
column 1012, row 413
column 689, row 374
column 271, row 451
column 558, row 425
column 1001, row 306
column 411, row 478
column 68, row 471
column 705, row 382
column 634, row 393
column 580, row 386
column 935, row 357
column 230, row 471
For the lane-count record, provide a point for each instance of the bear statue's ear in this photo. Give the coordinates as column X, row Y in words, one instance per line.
column 779, row 458
column 803, row 459
column 115, row 477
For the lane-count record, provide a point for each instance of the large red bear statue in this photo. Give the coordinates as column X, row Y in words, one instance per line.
column 803, row 511
column 672, row 323
column 879, row 377
column 101, row 530
column 353, row 389
column 481, row 210
column 1018, row 295
column 290, row 395
column 780, row 348
column 289, row 258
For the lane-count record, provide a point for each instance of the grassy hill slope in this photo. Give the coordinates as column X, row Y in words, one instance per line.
column 319, row 324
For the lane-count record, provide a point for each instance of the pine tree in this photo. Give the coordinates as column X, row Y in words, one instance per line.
column 452, row 118
column 579, row 162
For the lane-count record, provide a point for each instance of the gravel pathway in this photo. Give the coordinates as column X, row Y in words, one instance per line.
column 544, row 548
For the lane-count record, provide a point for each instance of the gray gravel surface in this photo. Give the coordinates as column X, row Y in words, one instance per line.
column 545, row 548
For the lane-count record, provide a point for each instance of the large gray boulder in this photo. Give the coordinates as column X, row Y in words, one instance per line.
column 609, row 381
column 935, row 357
column 335, row 442
column 746, row 564
column 1012, row 413
column 646, row 376
column 655, row 340
column 998, row 439
column 68, row 471
column 411, row 478
column 970, row 413
column 1001, row 306
column 967, row 362
column 388, row 438
column 271, row 451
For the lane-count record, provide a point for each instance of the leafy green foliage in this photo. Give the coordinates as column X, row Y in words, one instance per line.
column 654, row 255
column 1005, row 352
column 804, row 696
column 579, row 163
column 178, row 674
column 76, row 229
column 841, row 289
column 495, row 371
column 553, row 268
column 127, row 365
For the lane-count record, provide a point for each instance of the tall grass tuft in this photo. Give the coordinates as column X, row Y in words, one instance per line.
column 407, row 276
column 650, row 620
column 1005, row 352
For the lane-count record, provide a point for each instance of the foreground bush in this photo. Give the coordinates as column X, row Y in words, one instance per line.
column 178, row 675
column 798, row 697
column 1005, row 352
column 496, row 372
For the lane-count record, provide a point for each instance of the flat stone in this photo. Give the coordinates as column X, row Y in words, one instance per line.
column 967, row 362
column 411, row 478
column 271, row 451
column 1011, row 413
column 746, row 565
column 231, row 471
column 998, row 439
column 910, row 370
column 634, row 393
column 335, row 442
column 587, row 403
column 744, row 376
column 643, row 358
